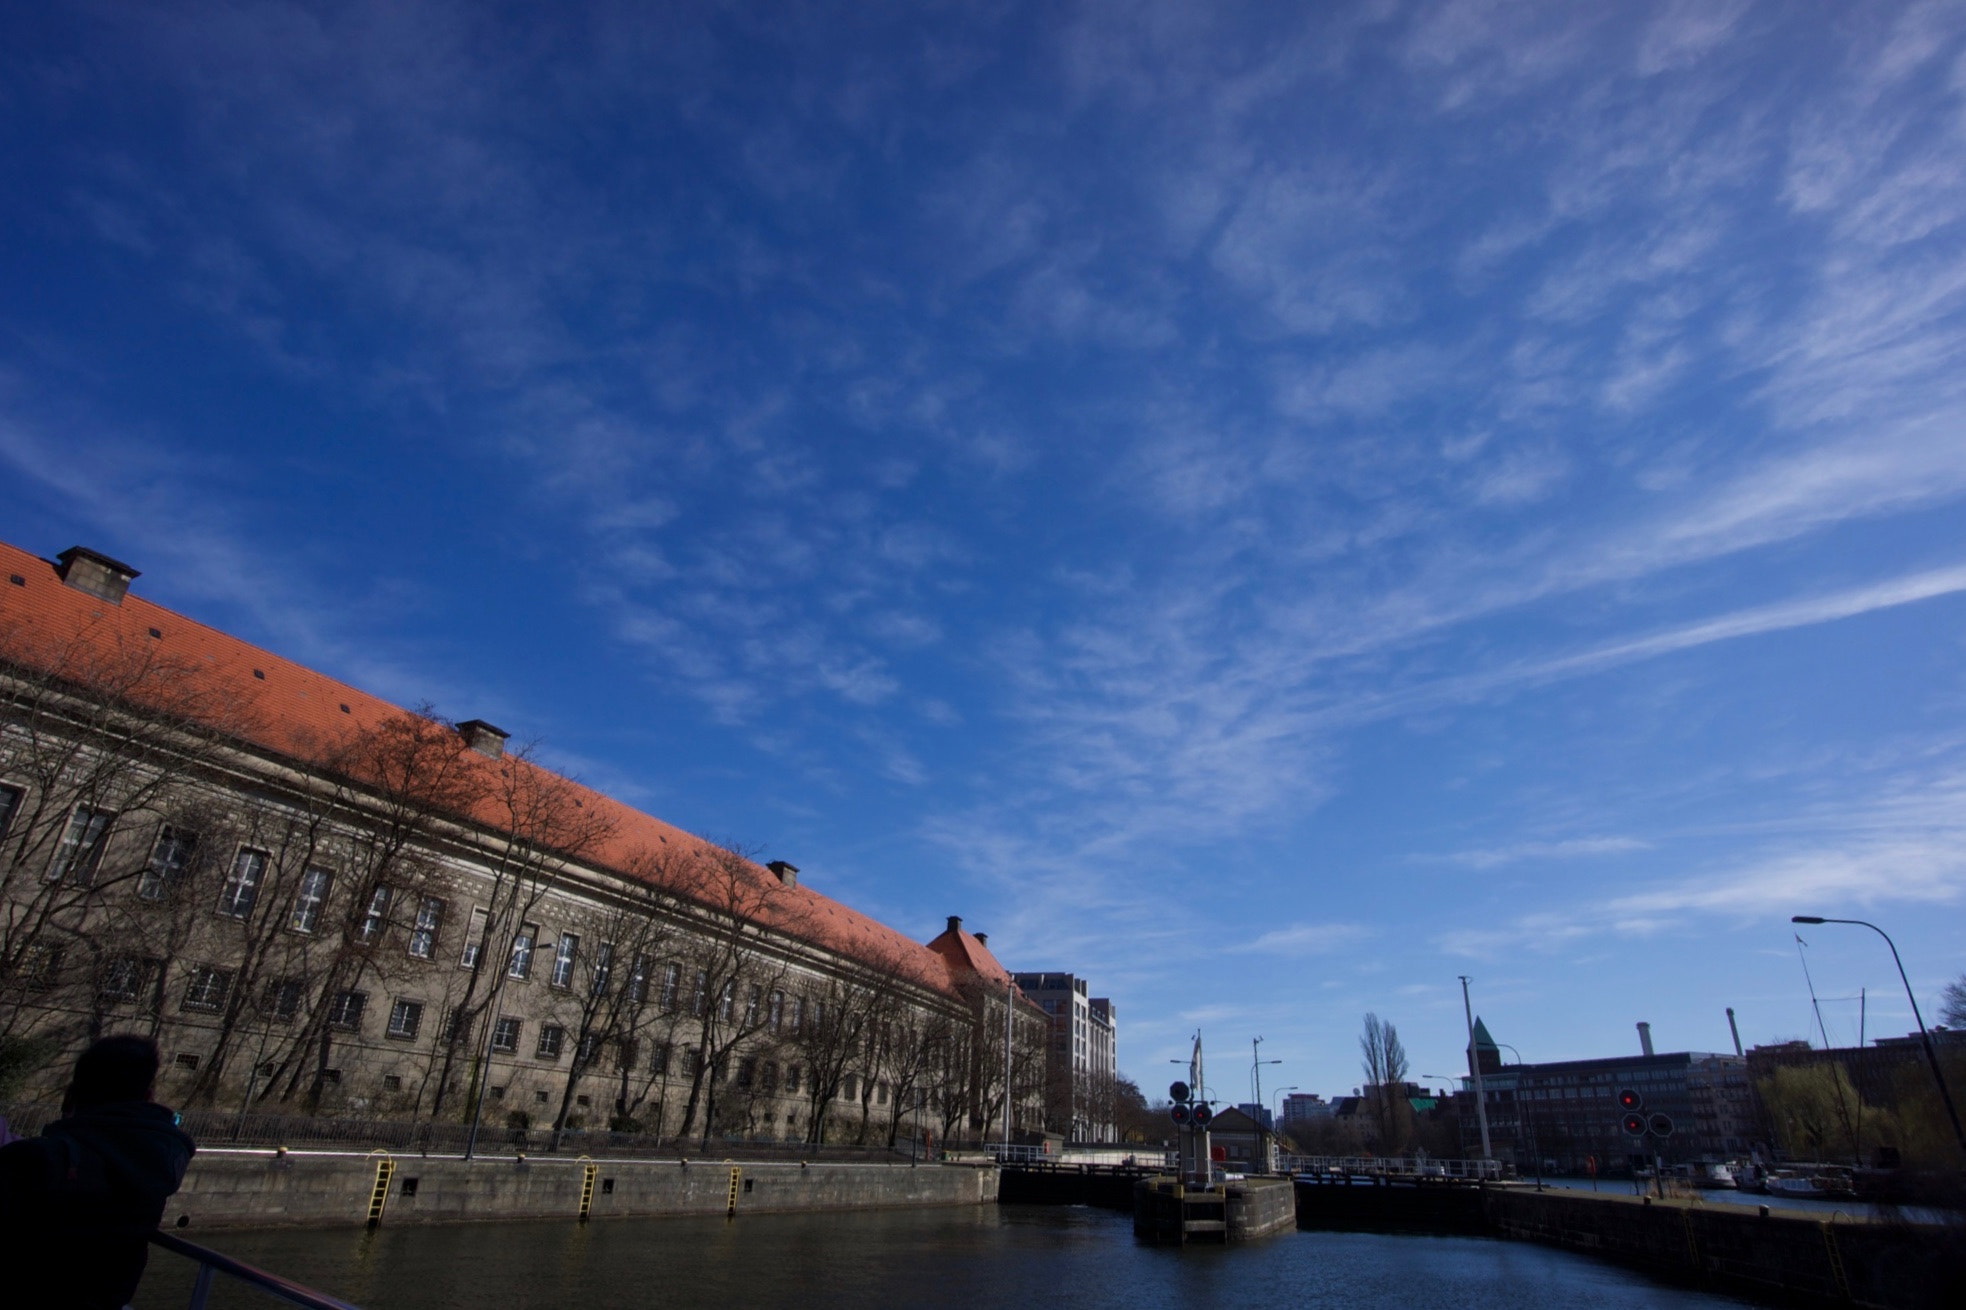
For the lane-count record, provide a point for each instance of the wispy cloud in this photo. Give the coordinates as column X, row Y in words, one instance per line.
column 1306, row 939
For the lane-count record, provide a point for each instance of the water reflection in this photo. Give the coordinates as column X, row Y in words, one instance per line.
column 981, row 1258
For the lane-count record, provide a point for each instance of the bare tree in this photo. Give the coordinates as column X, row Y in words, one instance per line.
column 98, row 736
column 533, row 825
column 731, row 970
column 1952, row 1003
column 607, row 1006
column 1384, row 1059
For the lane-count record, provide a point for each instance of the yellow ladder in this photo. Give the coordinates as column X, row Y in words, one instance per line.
column 587, row 1176
column 731, row 1208
column 385, row 1169
column 1836, row 1262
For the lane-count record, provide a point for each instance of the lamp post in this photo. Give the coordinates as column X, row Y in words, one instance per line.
column 1931, row 1055
column 1522, row 1108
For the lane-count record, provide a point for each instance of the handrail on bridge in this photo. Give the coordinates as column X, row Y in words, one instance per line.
column 1390, row 1166
column 211, row 1263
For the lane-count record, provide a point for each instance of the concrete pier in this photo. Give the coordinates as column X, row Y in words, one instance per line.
column 1169, row 1214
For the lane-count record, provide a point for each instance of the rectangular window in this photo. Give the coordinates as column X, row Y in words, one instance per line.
column 208, row 988
column 126, row 978
column 791, row 1078
column 747, row 1071
column 423, row 937
column 603, row 967
column 456, row 1029
column 770, row 1079
column 283, row 1000
column 345, row 1011
column 589, row 1050
column 777, row 1016
column 752, row 999
column 313, row 894
column 625, row 1052
column 522, row 948
column 699, row 997
column 241, row 891
column 798, row 1013
column 169, row 859
column 375, row 919
column 692, row 1061
column 474, row 940
column 638, row 981
column 552, row 1039
column 672, row 983
column 10, row 798
column 40, row 968
column 81, row 846
column 727, row 1000
column 563, row 958
column 659, row 1060
column 505, row 1035
column 405, row 1017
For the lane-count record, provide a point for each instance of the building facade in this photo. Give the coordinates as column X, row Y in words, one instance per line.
column 1083, row 1056
column 316, row 901
column 1566, row 1116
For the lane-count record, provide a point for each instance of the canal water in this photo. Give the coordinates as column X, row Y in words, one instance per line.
column 980, row 1258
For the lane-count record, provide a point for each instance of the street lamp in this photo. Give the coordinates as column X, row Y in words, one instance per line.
column 1931, row 1055
column 1528, row 1119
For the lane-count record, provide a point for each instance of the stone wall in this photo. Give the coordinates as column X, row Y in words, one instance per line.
column 1794, row 1257
column 262, row 1188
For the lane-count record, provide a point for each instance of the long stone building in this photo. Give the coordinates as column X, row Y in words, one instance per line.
column 320, row 902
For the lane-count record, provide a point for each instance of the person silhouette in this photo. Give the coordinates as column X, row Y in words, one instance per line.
column 79, row 1202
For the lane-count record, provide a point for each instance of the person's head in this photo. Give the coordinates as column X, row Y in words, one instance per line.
column 111, row 1070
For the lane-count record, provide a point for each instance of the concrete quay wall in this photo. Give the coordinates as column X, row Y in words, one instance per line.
column 323, row 1189
column 1787, row 1258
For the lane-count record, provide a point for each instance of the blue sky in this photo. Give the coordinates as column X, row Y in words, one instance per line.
column 1270, row 507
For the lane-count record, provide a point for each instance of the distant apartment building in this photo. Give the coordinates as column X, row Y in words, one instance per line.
column 1304, row 1107
column 1566, row 1115
column 1083, row 1064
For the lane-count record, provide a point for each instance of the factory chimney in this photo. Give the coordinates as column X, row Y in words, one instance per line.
column 1645, row 1037
column 1734, row 1028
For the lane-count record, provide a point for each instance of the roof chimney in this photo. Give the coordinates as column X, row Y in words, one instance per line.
column 787, row 873
column 955, row 923
column 96, row 573
column 982, row 939
column 1734, row 1028
column 1645, row 1037
column 483, row 738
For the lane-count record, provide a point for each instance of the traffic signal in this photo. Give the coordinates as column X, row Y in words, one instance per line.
column 1180, row 1113
column 1661, row 1125
column 1178, row 1093
column 1203, row 1114
column 1634, row 1107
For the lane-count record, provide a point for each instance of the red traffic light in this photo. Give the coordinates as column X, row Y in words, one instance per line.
column 1634, row 1124
column 1203, row 1114
column 1179, row 1113
column 1630, row 1100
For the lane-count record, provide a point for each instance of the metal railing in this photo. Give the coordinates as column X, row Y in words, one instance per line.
column 211, row 1264
column 1372, row 1166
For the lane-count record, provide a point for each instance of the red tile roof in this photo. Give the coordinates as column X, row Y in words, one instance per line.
column 300, row 714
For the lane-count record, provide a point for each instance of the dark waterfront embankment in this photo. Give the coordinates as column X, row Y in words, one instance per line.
column 322, row 1189
column 980, row 1257
column 1781, row 1257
